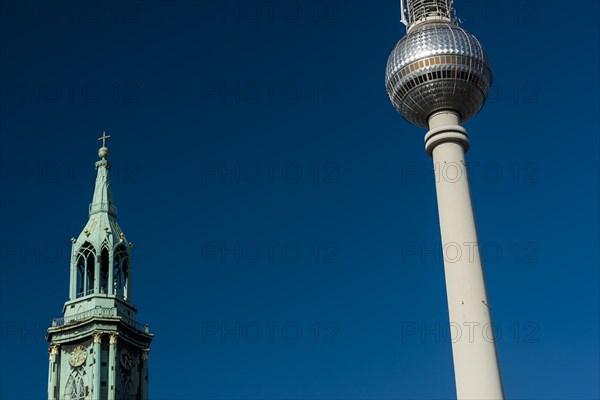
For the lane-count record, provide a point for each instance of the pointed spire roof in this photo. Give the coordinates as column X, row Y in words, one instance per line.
column 102, row 227
column 102, row 200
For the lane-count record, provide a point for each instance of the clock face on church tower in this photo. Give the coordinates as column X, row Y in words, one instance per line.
column 126, row 359
column 78, row 356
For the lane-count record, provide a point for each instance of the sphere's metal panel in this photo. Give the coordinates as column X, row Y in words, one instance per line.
column 438, row 66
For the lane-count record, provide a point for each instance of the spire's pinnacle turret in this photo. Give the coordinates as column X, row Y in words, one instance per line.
column 102, row 200
column 102, row 224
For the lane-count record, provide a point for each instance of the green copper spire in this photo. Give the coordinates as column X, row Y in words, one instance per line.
column 102, row 234
column 97, row 348
column 102, row 200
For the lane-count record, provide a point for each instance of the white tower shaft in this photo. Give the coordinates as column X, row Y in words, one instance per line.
column 476, row 368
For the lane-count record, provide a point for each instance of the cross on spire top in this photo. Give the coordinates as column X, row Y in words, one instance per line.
column 103, row 138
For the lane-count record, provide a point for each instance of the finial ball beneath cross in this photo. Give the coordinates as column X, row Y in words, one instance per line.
column 103, row 151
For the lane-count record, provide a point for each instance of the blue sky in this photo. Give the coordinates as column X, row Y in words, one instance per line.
column 271, row 190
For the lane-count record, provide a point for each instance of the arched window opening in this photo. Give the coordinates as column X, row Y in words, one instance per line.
column 75, row 389
column 120, row 272
column 126, row 391
column 78, row 389
column 80, row 276
column 90, row 274
column 125, row 278
column 104, row 263
column 85, row 270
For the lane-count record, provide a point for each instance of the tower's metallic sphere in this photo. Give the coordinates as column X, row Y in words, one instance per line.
column 437, row 66
column 103, row 152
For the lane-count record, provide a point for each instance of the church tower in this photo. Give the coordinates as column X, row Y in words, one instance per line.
column 97, row 349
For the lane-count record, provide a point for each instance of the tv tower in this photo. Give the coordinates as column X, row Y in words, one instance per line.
column 438, row 76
